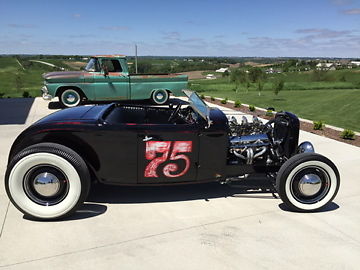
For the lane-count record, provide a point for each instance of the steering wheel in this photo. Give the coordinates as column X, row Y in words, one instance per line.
column 174, row 114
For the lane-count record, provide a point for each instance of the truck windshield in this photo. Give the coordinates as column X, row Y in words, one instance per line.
column 93, row 65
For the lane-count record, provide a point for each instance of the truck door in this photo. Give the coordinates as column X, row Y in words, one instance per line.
column 167, row 155
column 113, row 86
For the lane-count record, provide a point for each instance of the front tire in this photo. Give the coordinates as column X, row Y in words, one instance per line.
column 47, row 181
column 160, row 97
column 70, row 98
column 307, row 182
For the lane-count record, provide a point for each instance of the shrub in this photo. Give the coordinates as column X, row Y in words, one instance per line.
column 212, row 99
column 237, row 104
column 26, row 94
column 269, row 113
column 348, row 134
column 224, row 101
column 318, row 125
column 252, row 108
column 2, row 95
column 226, row 74
column 202, row 96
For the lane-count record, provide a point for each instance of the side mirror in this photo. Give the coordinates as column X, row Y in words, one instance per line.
column 106, row 71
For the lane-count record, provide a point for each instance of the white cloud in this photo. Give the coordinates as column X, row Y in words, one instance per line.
column 115, row 28
column 341, row 2
column 172, row 35
column 354, row 11
column 319, row 33
column 15, row 25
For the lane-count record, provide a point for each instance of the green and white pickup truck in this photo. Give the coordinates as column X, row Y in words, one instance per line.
column 106, row 77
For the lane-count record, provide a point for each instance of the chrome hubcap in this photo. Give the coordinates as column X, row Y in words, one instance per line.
column 46, row 184
column 159, row 96
column 309, row 184
column 70, row 98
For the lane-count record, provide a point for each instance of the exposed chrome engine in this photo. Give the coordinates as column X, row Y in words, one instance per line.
column 249, row 148
column 267, row 143
column 249, row 141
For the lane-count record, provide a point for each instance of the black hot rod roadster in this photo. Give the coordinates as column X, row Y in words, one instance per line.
column 52, row 163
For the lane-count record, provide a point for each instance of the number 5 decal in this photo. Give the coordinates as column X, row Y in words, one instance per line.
column 163, row 147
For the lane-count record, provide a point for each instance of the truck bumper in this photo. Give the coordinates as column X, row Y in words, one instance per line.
column 45, row 93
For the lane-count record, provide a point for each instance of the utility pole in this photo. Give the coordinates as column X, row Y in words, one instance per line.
column 136, row 68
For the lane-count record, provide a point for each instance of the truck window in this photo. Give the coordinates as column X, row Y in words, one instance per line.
column 93, row 65
column 112, row 65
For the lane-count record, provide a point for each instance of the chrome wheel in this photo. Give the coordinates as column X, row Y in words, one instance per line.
column 310, row 185
column 307, row 182
column 160, row 97
column 70, row 98
column 46, row 185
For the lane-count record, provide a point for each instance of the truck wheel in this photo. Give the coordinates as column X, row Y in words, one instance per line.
column 160, row 97
column 70, row 98
column 47, row 181
column 307, row 182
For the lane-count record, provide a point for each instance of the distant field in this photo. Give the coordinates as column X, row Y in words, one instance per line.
column 14, row 80
column 333, row 96
column 338, row 107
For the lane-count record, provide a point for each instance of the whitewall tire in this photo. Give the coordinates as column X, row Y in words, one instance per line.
column 307, row 182
column 47, row 181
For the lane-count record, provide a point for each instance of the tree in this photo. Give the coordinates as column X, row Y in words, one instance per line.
column 256, row 74
column 239, row 77
column 260, row 86
column 278, row 86
column 18, row 81
column 248, row 86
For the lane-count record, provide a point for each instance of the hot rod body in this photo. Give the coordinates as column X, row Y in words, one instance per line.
column 52, row 163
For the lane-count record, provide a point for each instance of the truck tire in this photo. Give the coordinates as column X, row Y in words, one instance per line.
column 70, row 98
column 160, row 97
column 47, row 181
column 307, row 182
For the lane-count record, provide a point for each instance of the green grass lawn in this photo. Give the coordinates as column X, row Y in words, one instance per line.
column 14, row 80
column 338, row 107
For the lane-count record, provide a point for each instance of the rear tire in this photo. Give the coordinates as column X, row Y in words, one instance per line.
column 160, row 97
column 47, row 181
column 69, row 98
column 307, row 182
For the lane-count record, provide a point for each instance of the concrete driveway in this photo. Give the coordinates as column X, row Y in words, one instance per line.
column 197, row 227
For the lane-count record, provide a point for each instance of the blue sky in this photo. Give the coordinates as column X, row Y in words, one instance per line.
column 314, row 28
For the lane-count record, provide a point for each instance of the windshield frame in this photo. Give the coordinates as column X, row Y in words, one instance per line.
column 198, row 105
